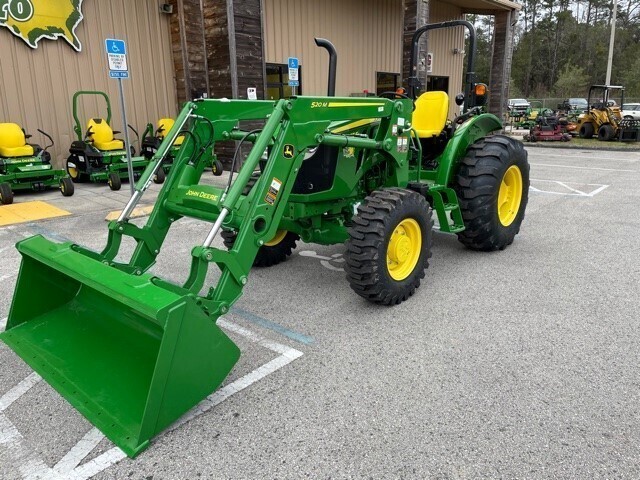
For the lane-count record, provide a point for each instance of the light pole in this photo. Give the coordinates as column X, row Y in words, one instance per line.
column 611, row 41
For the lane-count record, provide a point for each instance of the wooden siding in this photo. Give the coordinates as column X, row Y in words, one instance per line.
column 37, row 84
column 367, row 35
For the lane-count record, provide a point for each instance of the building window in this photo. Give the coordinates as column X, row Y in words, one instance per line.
column 278, row 81
column 440, row 84
column 387, row 82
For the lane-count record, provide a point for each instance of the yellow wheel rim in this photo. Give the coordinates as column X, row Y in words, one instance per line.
column 510, row 195
column 73, row 172
column 404, row 249
column 280, row 234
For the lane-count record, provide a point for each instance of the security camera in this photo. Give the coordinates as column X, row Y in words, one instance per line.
column 166, row 8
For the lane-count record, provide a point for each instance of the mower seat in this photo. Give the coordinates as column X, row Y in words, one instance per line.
column 430, row 115
column 163, row 127
column 13, row 142
column 102, row 135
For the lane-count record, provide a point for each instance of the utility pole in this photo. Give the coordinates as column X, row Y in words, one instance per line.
column 611, row 41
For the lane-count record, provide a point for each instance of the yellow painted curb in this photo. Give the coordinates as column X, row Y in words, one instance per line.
column 137, row 212
column 28, row 212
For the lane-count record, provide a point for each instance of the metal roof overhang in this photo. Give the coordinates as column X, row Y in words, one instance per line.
column 485, row 7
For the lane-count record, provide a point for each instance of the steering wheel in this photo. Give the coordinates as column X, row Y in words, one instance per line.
column 394, row 95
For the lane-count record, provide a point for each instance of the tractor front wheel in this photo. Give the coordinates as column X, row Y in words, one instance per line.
column 493, row 188
column 606, row 132
column 6, row 194
column 160, row 176
column 66, row 187
column 271, row 253
column 114, row 181
column 389, row 245
column 217, row 168
column 586, row 130
column 74, row 170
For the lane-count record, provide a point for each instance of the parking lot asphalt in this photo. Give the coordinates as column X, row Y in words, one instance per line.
column 523, row 363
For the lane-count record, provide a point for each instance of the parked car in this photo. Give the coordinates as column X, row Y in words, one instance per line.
column 569, row 104
column 518, row 106
column 631, row 110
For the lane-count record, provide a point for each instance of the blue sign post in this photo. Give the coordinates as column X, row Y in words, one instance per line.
column 294, row 79
column 117, row 57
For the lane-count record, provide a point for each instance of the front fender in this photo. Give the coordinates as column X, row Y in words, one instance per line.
column 465, row 135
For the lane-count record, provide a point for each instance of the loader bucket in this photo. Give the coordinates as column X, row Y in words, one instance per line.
column 131, row 356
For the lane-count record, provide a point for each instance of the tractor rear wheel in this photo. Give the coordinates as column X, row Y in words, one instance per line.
column 493, row 188
column 6, row 194
column 586, row 130
column 389, row 245
column 606, row 132
column 271, row 253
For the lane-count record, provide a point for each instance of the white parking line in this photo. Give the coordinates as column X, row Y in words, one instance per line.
column 572, row 192
column 583, row 168
column 31, row 466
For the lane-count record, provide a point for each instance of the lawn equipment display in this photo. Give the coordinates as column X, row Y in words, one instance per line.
column 25, row 166
column 604, row 117
column 133, row 352
column 548, row 128
column 151, row 141
column 99, row 157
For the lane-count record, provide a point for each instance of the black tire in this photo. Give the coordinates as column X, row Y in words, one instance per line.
column 160, row 176
column 66, row 187
column 6, row 194
column 114, row 181
column 368, row 264
column 217, row 168
column 267, row 256
column 586, row 130
column 628, row 117
column 606, row 132
column 478, row 184
column 73, row 170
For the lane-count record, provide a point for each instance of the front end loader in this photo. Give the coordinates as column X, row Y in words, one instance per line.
column 604, row 118
column 27, row 166
column 133, row 352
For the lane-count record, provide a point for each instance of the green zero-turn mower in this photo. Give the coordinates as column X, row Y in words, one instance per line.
column 25, row 166
column 151, row 141
column 99, row 157
column 133, row 352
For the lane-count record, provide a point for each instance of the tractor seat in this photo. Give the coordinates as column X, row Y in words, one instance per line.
column 102, row 135
column 13, row 142
column 163, row 126
column 430, row 115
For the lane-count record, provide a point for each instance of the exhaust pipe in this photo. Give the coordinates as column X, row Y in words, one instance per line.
column 333, row 60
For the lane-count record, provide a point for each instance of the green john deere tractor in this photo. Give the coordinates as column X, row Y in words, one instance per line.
column 25, row 166
column 97, row 155
column 132, row 351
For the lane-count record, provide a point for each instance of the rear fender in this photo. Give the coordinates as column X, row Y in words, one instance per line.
column 465, row 135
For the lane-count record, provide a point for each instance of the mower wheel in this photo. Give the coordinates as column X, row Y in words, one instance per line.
column 114, row 181
column 271, row 253
column 160, row 176
column 6, row 194
column 586, row 130
column 493, row 188
column 606, row 132
column 216, row 168
column 66, row 187
column 73, row 171
column 389, row 245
